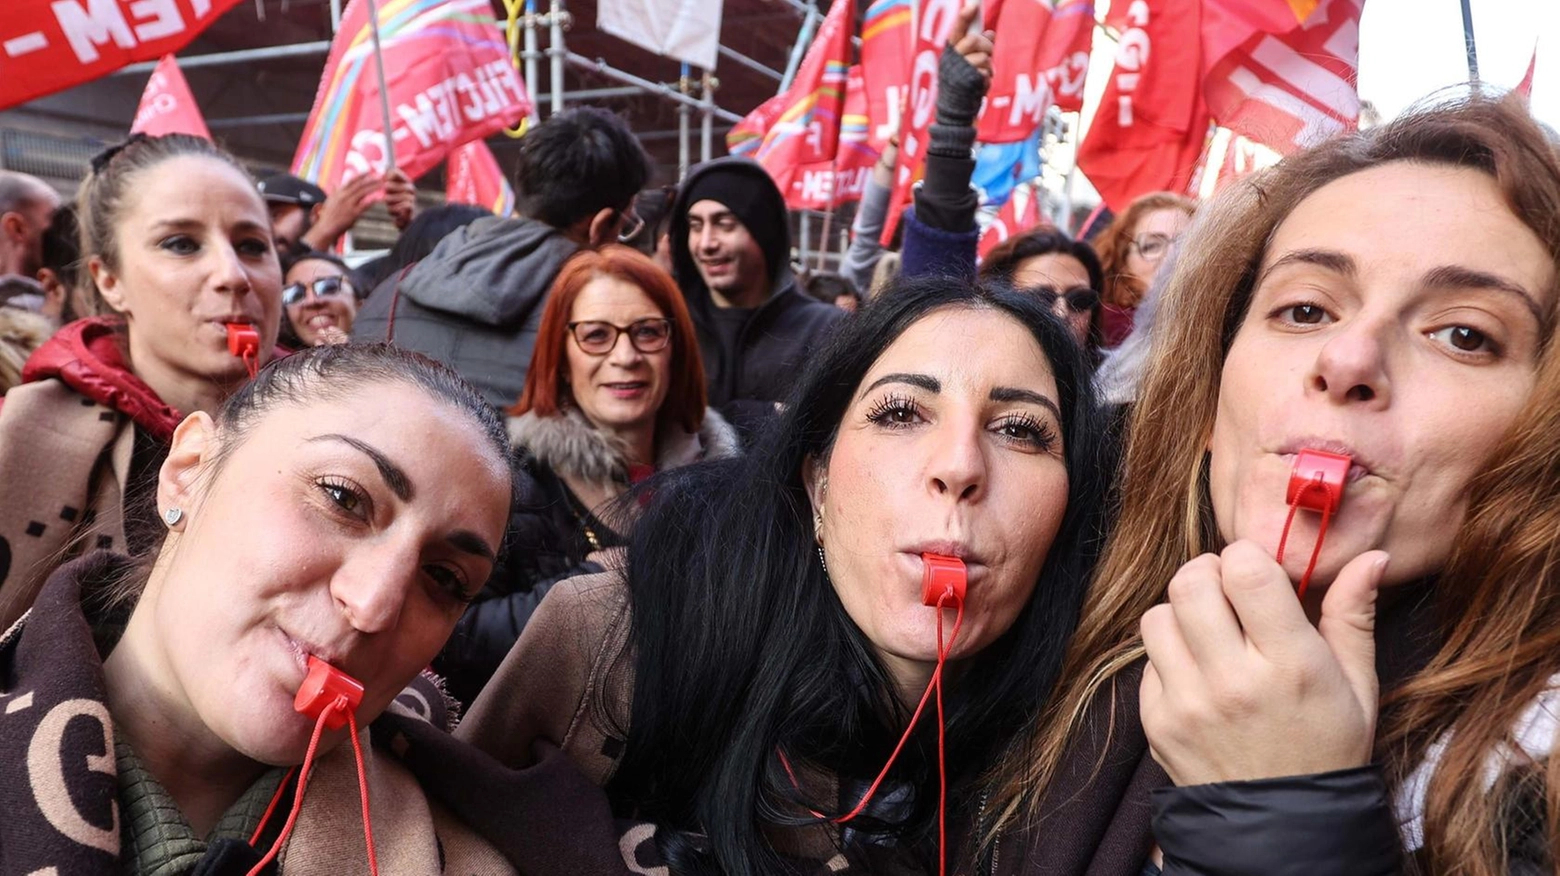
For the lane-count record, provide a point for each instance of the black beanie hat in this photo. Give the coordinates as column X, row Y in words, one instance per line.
column 754, row 200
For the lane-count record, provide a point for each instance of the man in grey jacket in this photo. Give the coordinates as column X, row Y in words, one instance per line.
column 476, row 301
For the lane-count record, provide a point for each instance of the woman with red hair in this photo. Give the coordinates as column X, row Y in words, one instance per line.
column 614, row 394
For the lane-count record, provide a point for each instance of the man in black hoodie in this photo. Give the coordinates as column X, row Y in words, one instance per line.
column 731, row 246
column 476, row 301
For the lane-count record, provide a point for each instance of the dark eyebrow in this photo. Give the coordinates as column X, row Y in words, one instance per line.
column 1327, row 259
column 394, row 477
column 469, row 542
column 1455, row 277
column 1012, row 394
column 922, row 381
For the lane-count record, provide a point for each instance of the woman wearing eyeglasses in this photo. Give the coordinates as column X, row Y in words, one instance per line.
column 615, row 393
column 1131, row 250
column 1064, row 272
column 319, row 301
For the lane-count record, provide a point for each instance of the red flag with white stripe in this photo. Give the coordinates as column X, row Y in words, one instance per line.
column 1283, row 72
column 167, row 105
column 1030, row 75
column 1150, row 129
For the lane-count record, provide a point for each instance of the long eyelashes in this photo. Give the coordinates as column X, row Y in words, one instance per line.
column 894, row 410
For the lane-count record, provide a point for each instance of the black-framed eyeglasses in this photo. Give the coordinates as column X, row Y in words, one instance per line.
column 324, row 287
column 596, row 338
column 1080, row 299
column 1153, row 246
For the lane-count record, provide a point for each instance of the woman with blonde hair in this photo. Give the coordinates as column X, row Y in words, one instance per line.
column 1389, row 297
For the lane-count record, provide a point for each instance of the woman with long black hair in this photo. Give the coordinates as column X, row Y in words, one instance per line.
column 742, row 683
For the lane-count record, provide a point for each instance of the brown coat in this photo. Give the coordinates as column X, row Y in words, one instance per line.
column 67, row 446
column 569, row 683
column 64, row 461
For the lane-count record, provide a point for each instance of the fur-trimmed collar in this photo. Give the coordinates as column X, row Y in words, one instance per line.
column 572, row 447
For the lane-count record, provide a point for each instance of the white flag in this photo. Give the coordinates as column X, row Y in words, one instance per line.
column 687, row 30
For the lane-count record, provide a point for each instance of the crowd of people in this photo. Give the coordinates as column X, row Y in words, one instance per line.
column 620, row 544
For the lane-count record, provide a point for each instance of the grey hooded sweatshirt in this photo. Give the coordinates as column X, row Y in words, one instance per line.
column 474, row 303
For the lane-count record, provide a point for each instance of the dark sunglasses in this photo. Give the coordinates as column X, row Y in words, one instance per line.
column 1079, row 300
column 324, row 287
column 599, row 338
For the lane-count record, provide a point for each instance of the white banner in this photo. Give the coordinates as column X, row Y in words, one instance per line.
column 687, row 30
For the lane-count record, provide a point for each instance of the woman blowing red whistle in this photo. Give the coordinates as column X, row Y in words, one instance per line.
column 151, row 710
column 177, row 244
column 1388, row 298
column 742, row 682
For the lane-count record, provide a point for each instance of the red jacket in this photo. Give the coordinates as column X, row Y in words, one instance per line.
column 86, row 356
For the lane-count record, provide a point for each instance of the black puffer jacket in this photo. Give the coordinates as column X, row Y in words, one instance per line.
column 552, row 533
column 748, row 377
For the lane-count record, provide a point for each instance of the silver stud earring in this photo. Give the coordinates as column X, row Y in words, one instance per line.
column 172, row 516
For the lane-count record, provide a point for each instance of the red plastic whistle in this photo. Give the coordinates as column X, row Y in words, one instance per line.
column 243, row 339
column 943, row 575
column 1316, row 482
column 322, row 688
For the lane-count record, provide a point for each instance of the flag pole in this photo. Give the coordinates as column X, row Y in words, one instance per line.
column 384, row 91
column 1468, row 44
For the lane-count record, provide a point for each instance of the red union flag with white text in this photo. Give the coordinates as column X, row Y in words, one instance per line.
column 933, row 20
column 450, row 81
column 51, row 45
column 1283, row 72
column 807, row 129
column 1030, row 75
column 167, row 105
column 1152, row 124
column 827, row 184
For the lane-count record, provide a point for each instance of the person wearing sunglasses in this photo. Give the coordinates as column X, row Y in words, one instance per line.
column 319, row 301
column 615, row 392
column 1063, row 272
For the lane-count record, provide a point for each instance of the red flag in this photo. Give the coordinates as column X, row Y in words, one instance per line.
column 807, row 130
column 1152, row 124
column 450, row 80
column 827, row 184
column 167, row 106
column 746, row 136
column 1283, row 73
column 1525, row 87
column 474, row 177
column 887, row 39
column 50, row 45
column 934, row 20
column 1029, row 75
column 1019, row 214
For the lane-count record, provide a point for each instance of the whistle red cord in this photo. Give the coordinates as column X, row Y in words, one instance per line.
column 252, row 362
column 1321, row 533
column 932, row 686
column 368, row 825
column 303, row 783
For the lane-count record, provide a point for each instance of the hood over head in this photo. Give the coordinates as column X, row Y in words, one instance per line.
column 493, row 271
column 747, row 190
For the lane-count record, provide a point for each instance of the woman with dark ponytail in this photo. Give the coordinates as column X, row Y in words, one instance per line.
column 745, row 679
